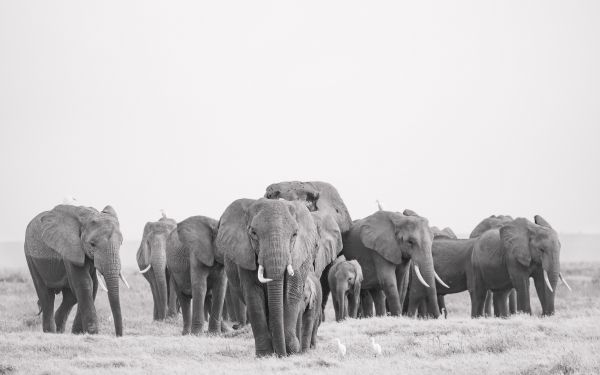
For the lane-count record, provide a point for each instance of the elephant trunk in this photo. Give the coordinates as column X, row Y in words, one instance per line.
column 551, row 270
column 340, row 296
column 425, row 265
column 159, row 266
column 276, row 326
column 110, row 268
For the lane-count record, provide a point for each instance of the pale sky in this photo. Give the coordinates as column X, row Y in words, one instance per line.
column 457, row 110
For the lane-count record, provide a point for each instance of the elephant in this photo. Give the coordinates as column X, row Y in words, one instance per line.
column 384, row 243
column 270, row 246
column 452, row 262
column 152, row 262
column 506, row 257
column 324, row 199
column 310, row 313
column 197, row 272
column 65, row 248
column 345, row 279
column 494, row 221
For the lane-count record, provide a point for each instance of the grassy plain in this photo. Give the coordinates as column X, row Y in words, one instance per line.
column 567, row 343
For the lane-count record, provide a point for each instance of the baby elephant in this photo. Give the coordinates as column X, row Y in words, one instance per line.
column 345, row 278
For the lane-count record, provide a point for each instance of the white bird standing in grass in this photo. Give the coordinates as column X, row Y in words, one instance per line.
column 341, row 348
column 376, row 347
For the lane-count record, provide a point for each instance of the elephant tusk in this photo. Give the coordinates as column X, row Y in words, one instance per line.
column 124, row 280
column 564, row 282
column 146, row 269
column 547, row 281
column 261, row 275
column 421, row 279
column 439, row 279
column 100, row 282
column 290, row 270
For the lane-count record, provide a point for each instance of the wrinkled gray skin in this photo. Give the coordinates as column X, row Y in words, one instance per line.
column 310, row 313
column 384, row 244
column 322, row 199
column 64, row 247
column 197, row 271
column 276, row 235
column 345, row 280
column 507, row 257
column 153, row 252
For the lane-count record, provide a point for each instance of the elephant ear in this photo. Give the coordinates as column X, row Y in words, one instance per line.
column 310, row 293
column 409, row 212
column 109, row 210
column 61, row 231
column 197, row 234
column 378, row 232
column 541, row 221
column 307, row 238
column 515, row 239
column 232, row 236
column 143, row 253
column 329, row 241
column 358, row 270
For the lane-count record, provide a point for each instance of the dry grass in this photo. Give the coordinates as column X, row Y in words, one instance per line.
column 567, row 343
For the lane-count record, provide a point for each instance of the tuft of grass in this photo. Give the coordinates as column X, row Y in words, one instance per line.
column 7, row 369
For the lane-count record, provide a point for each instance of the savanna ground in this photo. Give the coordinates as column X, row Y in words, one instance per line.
column 567, row 343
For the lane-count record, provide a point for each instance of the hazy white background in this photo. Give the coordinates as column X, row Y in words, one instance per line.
column 457, row 110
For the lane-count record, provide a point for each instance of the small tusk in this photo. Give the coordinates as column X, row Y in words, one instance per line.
column 547, row 281
column 290, row 270
column 439, row 279
column 261, row 273
column 146, row 269
column 564, row 282
column 421, row 279
column 124, row 280
column 100, row 282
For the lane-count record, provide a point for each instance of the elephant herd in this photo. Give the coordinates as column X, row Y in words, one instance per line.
column 272, row 262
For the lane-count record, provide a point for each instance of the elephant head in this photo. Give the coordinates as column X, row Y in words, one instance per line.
column 152, row 261
column 77, row 232
column 399, row 238
column 536, row 247
column 198, row 234
column 494, row 221
column 277, row 239
column 317, row 196
column 443, row 233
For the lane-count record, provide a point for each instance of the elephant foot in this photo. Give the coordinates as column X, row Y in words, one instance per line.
column 186, row 331
column 293, row 345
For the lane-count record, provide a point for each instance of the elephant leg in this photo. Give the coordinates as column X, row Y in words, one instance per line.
column 512, row 301
column 172, row 301
column 256, row 304
column 307, row 328
column 63, row 311
column 82, row 285
column 478, row 294
column 391, row 296
column 522, row 287
column 366, row 302
column 317, row 323
column 199, row 275
column 489, row 297
column 45, row 297
column 500, row 303
column 379, row 301
column 218, row 280
column 186, row 312
column 325, row 288
column 207, row 304
column 338, row 308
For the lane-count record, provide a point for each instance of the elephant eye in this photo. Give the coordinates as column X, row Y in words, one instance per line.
column 253, row 234
column 411, row 242
column 92, row 244
column 294, row 234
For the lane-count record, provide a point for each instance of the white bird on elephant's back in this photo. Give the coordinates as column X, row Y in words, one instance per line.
column 341, row 348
